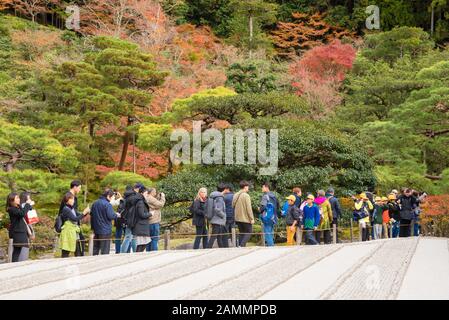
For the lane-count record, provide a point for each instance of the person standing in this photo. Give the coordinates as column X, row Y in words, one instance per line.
column 244, row 216
column 156, row 201
column 129, row 243
column 379, row 208
column 102, row 214
column 18, row 229
column 363, row 207
column 326, row 218
column 395, row 215
column 297, row 193
column 230, row 216
column 216, row 214
column 69, row 239
column 75, row 189
column 269, row 208
column 311, row 219
column 293, row 219
column 335, row 206
column 407, row 204
column 140, row 210
column 25, row 198
column 198, row 211
column 119, row 223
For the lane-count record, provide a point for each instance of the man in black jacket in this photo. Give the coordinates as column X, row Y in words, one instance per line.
column 407, row 203
column 335, row 205
column 75, row 189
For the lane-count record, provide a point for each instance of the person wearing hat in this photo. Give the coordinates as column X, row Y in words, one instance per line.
column 394, row 213
column 364, row 206
column 385, row 218
column 379, row 208
column 311, row 219
column 293, row 218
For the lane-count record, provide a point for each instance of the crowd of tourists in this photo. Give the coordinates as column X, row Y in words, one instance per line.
column 137, row 215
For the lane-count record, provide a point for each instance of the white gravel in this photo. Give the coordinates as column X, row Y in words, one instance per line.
column 413, row 268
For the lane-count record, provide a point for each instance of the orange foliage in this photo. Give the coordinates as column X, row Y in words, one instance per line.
column 436, row 205
column 306, row 32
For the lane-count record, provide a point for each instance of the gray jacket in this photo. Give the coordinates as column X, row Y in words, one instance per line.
column 219, row 216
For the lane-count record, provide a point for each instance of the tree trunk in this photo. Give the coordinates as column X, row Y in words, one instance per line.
column 9, row 166
column 432, row 21
column 126, row 139
column 250, row 36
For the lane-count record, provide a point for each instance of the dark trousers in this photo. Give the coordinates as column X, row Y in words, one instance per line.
column 16, row 254
column 365, row 234
column 141, row 248
column 102, row 244
column 326, row 235
column 310, row 238
column 228, row 230
column 201, row 234
column 217, row 234
column 405, row 228
column 244, row 228
column 119, row 230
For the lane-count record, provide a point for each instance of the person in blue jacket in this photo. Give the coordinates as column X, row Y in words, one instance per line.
column 230, row 215
column 311, row 219
column 102, row 214
column 269, row 207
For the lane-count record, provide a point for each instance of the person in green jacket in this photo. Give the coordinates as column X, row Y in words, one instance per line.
column 70, row 231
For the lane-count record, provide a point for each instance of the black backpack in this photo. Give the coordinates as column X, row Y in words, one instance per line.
column 58, row 223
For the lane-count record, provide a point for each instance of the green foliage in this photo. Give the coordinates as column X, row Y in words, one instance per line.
column 154, row 137
column 255, row 76
column 397, row 43
column 27, row 147
column 213, row 13
column 119, row 179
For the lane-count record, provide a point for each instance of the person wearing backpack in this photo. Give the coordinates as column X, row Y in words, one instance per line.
column 362, row 209
column 293, row 219
column 335, row 206
column 18, row 229
column 198, row 211
column 269, row 208
column 326, row 217
column 138, row 219
column 129, row 243
column 75, row 189
column 244, row 216
column 69, row 239
column 216, row 215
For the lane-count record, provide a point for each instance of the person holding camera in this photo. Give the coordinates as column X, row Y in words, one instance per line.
column 156, row 201
column 18, row 230
column 102, row 215
column 363, row 206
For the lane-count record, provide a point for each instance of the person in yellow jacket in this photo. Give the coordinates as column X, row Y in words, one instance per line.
column 363, row 205
column 326, row 217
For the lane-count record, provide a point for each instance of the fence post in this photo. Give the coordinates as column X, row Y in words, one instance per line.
column 334, row 233
column 351, row 231
column 55, row 244
column 91, row 244
column 263, row 237
column 233, row 237
column 298, row 236
column 10, row 250
column 167, row 239
column 360, row 233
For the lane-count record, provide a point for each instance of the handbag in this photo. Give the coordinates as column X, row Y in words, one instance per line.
column 30, row 232
column 31, row 217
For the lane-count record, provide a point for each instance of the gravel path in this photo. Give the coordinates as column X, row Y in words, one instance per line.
column 413, row 268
